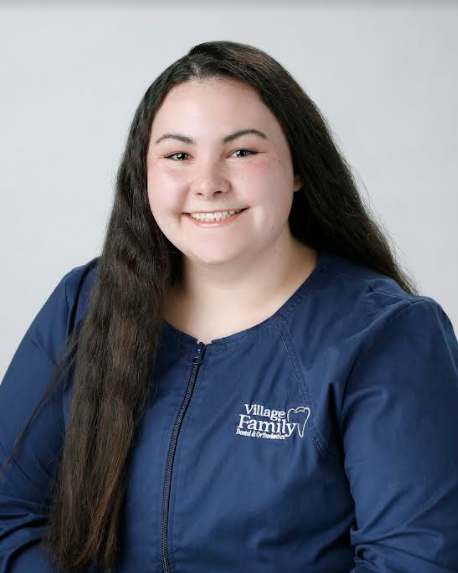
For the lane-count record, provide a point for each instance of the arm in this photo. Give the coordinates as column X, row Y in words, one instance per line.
column 400, row 436
column 25, row 485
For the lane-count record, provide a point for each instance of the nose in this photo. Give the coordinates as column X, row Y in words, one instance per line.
column 209, row 181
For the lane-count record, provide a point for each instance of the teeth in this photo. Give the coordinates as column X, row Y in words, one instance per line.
column 214, row 216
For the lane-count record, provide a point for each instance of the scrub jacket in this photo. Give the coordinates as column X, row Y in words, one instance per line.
column 322, row 440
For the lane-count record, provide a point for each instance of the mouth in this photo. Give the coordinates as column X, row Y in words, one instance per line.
column 216, row 222
column 243, row 209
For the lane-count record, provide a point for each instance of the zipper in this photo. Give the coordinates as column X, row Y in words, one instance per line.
column 200, row 351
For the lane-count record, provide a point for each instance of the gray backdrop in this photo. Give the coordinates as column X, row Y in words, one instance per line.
column 383, row 73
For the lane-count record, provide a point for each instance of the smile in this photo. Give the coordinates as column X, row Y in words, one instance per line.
column 219, row 221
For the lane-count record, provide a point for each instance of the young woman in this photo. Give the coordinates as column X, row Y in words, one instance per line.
column 244, row 379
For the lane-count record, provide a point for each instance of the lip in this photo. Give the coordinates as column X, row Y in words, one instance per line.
column 222, row 223
column 216, row 210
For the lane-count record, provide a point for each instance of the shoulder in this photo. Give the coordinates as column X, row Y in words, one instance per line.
column 358, row 279
column 360, row 302
column 78, row 280
column 67, row 303
column 71, row 295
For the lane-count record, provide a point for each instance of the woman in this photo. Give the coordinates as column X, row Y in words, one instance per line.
column 260, row 388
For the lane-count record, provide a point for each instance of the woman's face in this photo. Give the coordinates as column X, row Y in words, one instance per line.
column 208, row 174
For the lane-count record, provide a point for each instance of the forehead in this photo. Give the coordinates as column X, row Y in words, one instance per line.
column 215, row 105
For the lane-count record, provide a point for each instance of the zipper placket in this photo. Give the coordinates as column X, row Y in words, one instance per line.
column 200, row 350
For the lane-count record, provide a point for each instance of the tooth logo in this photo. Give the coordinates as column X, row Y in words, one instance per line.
column 301, row 412
column 258, row 421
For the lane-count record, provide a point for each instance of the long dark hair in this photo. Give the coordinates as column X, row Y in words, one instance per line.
column 113, row 349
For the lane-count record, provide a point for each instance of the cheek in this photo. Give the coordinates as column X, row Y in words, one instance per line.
column 270, row 186
column 162, row 195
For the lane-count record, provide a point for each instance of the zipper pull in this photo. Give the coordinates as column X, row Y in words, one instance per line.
column 200, row 351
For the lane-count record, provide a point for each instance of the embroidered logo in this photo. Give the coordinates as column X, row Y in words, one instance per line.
column 279, row 425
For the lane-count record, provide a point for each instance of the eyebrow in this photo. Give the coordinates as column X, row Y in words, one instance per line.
column 226, row 139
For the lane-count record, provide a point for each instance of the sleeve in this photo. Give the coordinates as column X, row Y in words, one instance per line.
column 26, row 482
column 400, row 439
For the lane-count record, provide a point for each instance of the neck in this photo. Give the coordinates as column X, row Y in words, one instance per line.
column 244, row 288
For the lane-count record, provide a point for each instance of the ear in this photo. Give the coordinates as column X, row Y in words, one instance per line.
column 297, row 183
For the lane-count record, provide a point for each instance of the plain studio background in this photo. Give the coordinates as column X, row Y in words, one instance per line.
column 383, row 74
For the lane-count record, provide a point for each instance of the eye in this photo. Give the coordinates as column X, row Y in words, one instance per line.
column 246, row 150
column 173, row 154
column 182, row 153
